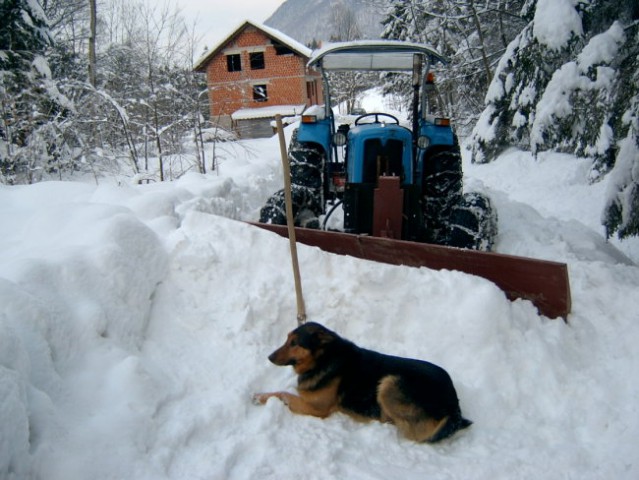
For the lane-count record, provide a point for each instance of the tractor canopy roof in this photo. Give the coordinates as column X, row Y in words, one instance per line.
column 387, row 55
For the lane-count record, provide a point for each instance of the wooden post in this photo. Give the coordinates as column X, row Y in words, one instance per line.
column 290, row 222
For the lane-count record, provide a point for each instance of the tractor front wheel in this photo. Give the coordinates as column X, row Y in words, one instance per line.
column 442, row 190
column 473, row 223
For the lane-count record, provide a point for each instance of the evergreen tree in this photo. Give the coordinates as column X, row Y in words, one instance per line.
column 347, row 86
column 572, row 87
column 24, row 35
column 621, row 212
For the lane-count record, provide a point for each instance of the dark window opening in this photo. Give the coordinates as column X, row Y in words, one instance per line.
column 282, row 50
column 259, row 93
column 234, row 63
column 257, row 60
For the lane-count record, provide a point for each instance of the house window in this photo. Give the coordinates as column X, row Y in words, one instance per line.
column 282, row 49
column 259, row 93
column 234, row 63
column 257, row 60
column 311, row 90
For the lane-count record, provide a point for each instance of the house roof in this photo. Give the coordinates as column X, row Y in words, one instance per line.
column 272, row 33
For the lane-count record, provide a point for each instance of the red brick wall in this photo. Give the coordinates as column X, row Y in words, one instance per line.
column 285, row 76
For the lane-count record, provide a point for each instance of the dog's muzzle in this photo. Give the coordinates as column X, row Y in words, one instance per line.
column 278, row 358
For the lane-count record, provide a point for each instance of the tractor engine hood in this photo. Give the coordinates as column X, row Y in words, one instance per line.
column 380, row 142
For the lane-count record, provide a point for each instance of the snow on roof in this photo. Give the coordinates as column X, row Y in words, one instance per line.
column 267, row 112
column 274, row 34
column 285, row 39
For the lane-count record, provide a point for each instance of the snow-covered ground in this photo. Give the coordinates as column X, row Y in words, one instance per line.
column 135, row 322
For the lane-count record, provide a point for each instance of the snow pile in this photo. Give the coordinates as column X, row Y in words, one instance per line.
column 136, row 322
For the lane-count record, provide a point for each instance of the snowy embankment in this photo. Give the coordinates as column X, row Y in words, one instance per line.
column 135, row 322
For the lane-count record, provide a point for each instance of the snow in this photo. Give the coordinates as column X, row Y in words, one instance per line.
column 267, row 112
column 136, row 321
column 555, row 22
column 555, row 102
column 602, row 48
column 283, row 38
column 623, row 177
column 485, row 128
column 317, row 110
column 41, row 65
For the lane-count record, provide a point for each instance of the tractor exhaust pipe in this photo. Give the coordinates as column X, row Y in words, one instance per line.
column 417, row 80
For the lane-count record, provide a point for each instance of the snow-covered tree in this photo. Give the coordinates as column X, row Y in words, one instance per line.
column 145, row 96
column 472, row 34
column 621, row 213
column 347, row 86
column 344, row 22
column 32, row 110
column 568, row 82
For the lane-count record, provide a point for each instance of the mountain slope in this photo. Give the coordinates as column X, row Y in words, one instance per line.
column 308, row 20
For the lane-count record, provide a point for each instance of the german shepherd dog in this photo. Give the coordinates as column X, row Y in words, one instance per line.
column 335, row 375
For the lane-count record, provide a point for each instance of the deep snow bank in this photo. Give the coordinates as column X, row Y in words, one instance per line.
column 135, row 324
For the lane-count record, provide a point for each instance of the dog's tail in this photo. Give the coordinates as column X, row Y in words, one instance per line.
column 454, row 423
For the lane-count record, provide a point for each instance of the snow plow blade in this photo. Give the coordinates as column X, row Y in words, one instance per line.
column 544, row 283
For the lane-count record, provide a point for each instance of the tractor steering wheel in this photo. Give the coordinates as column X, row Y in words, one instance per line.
column 376, row 115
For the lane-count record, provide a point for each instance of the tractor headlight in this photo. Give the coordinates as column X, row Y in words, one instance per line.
column 423, row 142
column 339, row 139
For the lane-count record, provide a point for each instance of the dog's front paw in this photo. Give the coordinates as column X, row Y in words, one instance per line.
column 260, row 398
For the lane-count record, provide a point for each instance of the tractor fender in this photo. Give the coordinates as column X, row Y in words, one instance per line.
column 438, row 135
column 316, row 133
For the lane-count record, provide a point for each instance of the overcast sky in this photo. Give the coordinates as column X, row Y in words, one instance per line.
column 218, row 18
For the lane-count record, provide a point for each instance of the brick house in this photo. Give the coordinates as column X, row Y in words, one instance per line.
column 256, row 73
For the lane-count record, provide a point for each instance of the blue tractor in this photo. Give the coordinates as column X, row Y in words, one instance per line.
column 390, row 180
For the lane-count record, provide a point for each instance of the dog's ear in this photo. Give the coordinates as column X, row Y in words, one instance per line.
column 314, row 336
column 324, row 337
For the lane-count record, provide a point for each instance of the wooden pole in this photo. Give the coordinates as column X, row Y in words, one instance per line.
column 290, row 222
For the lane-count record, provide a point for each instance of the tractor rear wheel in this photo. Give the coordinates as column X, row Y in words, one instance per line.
column 306, row 162
column 306, row 208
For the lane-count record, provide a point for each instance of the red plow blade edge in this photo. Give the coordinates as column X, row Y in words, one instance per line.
column 542, row 282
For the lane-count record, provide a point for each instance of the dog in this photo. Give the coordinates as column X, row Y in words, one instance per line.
column 335, row 375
